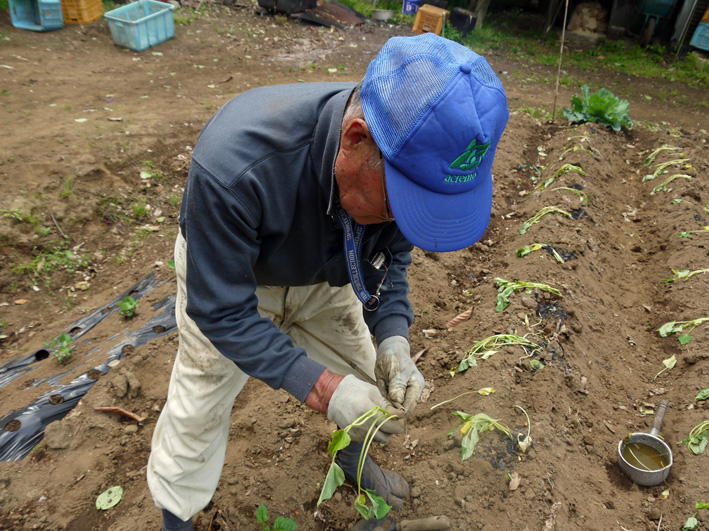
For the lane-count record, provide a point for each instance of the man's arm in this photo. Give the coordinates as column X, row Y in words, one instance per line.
column 221, row 230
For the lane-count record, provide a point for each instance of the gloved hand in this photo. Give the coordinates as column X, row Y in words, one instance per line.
column 397, row 376
column 344, row 399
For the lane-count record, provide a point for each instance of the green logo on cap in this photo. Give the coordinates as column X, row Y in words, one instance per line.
column 472, row 157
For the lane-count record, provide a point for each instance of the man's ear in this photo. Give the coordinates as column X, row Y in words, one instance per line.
column 354, row 132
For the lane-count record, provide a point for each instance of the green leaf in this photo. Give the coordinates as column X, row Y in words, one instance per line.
column 171, row 264
column 691, row 523
column 684, row 339
column 536, row 364
column 670, row 362
column 284, row 524
column 340, row 439
column 380, row 508
column 698, row 444
column 262, row 514
column 468, row 444
column 701, row 505
column 109, row 498
column 362, row 507
column 703, row 394
column 335, row 477
column 667, row 329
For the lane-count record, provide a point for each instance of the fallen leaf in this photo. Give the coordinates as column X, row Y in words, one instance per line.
column 459, row 318
column 21, row 301
column 514, row 480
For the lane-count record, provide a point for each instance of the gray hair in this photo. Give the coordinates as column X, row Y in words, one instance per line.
column 354, row 112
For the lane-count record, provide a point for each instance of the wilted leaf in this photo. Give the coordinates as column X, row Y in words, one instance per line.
column 691, row 523
column 485, row 391
column 670, row 362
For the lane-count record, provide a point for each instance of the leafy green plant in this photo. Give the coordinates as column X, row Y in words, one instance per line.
column 698, row 438
column 601, row 107
column 676, row 327
column 536, row 218
column 703, row 395
column 128, row 306
column 507, row 288
column 61, row 348
column 281, row 524
column 336, row 476
column 488, row 347
column 471, row 426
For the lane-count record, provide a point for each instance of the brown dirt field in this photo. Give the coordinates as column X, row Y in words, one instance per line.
column 598, row 340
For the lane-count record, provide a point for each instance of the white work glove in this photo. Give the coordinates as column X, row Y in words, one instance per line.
column 398, row 378
column 352, row 399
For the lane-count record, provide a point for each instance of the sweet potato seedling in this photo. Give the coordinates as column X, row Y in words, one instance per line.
column 661, row 168
column 566, row 168
column 367, row 503
column 529, row 249
column 281, row 524
column 471, row 426
column 676, row 327
column 698, row 438
column 61, row 350
column 485, row 348
column 507, row 288
column 685, row 274
column 663, row 187
column 655, row 152
column 536, row 218
column 582, row 195
column 128, row 306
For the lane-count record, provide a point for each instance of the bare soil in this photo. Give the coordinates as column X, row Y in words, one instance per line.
column 82, row 118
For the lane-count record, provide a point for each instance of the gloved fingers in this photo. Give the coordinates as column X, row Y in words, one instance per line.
column 393, row 426
column 413, row 394
column 382, row 386
column 397, row 391
column 395, row 502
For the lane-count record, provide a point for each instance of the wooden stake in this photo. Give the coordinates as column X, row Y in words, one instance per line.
column 561, row 54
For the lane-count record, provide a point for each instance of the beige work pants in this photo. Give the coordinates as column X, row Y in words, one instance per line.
column 190, row 438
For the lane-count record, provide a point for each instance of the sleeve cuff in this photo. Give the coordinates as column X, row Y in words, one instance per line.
column 301, row 377
column 395, row 325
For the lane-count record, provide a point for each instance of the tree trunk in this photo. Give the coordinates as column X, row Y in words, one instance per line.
column 479, row 7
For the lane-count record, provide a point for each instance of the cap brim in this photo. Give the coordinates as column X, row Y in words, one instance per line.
column 439, row 222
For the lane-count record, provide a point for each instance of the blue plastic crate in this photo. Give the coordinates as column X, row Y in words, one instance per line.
column 141, row 24
column 36, row 15
column 700, row 39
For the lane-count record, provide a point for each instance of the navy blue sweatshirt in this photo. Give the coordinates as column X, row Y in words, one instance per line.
column 258, row 209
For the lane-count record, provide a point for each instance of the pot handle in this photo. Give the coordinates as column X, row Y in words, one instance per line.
column 659, row 417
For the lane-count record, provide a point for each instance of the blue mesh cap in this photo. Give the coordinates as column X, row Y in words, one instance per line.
column 437, row 111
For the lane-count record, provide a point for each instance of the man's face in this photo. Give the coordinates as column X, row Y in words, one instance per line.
column 361, row 180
